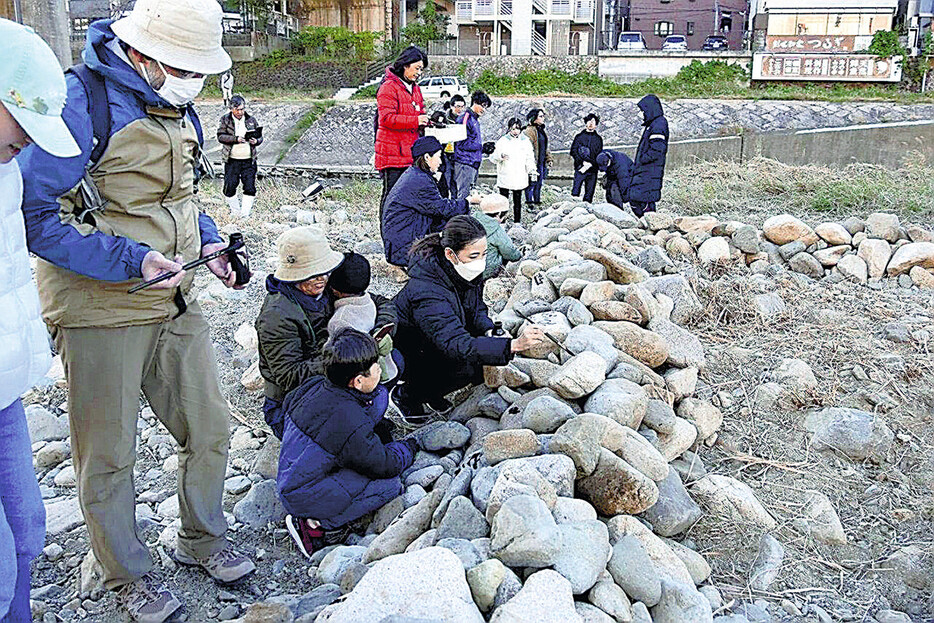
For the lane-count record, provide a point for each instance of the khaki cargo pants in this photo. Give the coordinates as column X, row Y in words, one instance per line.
column 173, row 364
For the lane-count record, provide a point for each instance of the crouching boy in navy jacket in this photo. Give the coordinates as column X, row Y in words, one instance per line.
column 338, row 461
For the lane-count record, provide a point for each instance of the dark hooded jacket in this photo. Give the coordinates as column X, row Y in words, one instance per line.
column 649, row 166
column 442, row 321
column 292, row 328
column 414, row 208
column 618, row 175
column 333, row 467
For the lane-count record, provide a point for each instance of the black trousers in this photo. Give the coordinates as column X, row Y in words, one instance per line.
column 390, row 176
column 588, row 180
column 516, row 202
column 641, row 207
column 237, row 171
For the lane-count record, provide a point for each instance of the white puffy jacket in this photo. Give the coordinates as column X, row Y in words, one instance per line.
column 24, row 341
column 516, row 170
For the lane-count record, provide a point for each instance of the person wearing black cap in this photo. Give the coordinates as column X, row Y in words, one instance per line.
column 585, row 148
column 414, row 207
column 357, row 309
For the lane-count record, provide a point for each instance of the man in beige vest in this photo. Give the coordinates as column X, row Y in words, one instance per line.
column 113, row 344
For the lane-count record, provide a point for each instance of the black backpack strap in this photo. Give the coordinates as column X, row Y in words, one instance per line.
column 98, row 106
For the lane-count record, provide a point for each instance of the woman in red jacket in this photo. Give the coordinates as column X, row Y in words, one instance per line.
column 399, row 117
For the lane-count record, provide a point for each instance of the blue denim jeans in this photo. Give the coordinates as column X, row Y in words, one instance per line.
column 533, row 194
column 465, row 176
column 22, row 514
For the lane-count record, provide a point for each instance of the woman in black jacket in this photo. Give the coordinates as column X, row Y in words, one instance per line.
column 445, row 333
column 585, row 148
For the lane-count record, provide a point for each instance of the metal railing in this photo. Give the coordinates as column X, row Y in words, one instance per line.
column 584, row 10
column 540, row 5
column 485, row 8
column 505, row 7
column 560, row 7
column 464, row 10
column 539, row 45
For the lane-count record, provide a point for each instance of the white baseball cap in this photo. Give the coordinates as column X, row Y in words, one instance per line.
column 184, row 34
column 32, row 89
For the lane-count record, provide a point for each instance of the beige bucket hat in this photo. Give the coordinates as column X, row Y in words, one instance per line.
column 184, row 34
column 304, row 252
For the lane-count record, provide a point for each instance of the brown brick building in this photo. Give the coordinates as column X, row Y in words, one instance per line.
column 696, row 19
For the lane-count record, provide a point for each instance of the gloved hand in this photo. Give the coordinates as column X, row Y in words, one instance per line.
column 384, row 346
column 411, row 444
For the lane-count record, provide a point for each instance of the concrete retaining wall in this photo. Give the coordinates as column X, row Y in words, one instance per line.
column 632, row 66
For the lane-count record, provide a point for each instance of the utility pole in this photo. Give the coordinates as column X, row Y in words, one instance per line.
column 50, row 20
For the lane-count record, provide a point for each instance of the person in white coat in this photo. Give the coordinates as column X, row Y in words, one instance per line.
column 514, row 157
column 32, row 95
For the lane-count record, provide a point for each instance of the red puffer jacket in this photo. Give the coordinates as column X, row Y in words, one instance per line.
column 397, row 112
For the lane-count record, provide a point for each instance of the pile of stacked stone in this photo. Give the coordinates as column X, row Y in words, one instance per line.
column 861, row 251
column 559, row 489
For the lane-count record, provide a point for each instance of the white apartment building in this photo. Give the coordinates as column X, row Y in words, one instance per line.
column 527, row 27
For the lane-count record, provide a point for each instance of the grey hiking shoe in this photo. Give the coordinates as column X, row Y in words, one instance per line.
column 148, row 600
column 226, row 566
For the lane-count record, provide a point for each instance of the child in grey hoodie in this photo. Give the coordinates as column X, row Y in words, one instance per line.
column 355, row 308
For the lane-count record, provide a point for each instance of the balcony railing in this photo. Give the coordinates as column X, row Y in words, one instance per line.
column 584, row 10
column 560, row 7
column 464, row 10
column 505, row 7
column 484, row 8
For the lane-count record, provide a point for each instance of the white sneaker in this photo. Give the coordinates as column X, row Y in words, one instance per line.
column 234, row 204
column 247, row 206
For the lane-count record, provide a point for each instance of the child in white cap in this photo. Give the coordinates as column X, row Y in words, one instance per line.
column 32, row 95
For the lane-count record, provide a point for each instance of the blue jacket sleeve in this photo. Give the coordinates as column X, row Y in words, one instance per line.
column 46, row 178
column 438, row 322
column 208, row 229
column 430, row 202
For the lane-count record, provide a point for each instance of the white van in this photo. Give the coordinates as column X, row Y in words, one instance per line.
column 442, row 87
column 631, row 41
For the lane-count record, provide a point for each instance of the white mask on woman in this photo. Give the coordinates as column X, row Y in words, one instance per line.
column 470, row 270
column 177, row 91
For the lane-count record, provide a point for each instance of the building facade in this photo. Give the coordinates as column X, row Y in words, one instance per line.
column 695, row 19
column 526, row 27
column 821, row 40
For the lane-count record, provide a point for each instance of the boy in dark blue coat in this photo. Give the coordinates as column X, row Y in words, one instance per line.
column 338, row 461
column 585, row 148
column 648, row 170
column 618, row 168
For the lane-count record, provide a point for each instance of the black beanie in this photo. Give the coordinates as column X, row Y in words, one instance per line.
column 425, row 145
column 352, row 276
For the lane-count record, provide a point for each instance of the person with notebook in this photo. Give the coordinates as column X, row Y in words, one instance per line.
column 239, row 135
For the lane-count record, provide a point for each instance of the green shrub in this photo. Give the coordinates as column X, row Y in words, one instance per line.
column 336, row 42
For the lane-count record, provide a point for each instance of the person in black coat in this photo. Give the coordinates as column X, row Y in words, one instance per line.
column 649, row 166
column 445, row 332
column 338, row 461
column 414, row 206
column 585, row 148
column 618, row 168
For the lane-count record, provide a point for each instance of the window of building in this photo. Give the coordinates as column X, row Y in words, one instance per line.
column 665, row 1
column 690, row 28
column 782, row 24
column 663, row 29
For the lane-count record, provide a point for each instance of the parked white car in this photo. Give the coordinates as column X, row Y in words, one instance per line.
column 443, row 87
column 675, row 42
column 631, row 41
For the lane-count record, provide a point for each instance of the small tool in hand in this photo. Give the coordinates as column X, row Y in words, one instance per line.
column 241, row 268
column 546, row 334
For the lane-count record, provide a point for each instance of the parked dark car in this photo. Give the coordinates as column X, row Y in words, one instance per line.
column 715, row 43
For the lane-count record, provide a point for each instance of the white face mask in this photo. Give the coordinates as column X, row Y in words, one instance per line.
column 177, row 91
column 471, row 270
